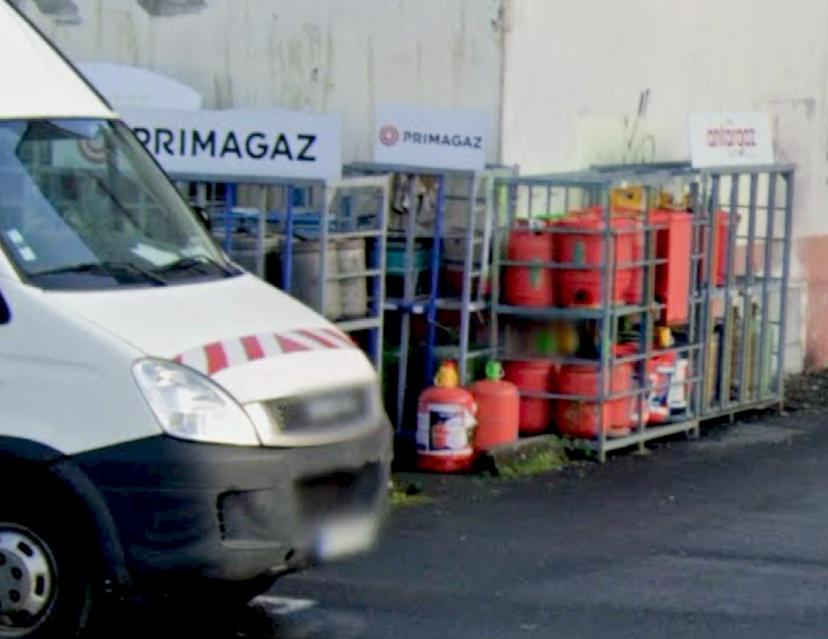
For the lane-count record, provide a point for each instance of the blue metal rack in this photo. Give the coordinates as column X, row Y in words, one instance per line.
column 326, row 216
column 420, row 291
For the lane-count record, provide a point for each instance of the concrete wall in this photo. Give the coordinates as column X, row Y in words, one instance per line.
column 613, row 81
column 331, row 56
column 565, row 83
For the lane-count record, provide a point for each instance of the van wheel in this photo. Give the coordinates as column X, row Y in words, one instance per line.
column 45, row 589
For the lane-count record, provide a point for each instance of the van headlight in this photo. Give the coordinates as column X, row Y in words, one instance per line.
column 191, row 406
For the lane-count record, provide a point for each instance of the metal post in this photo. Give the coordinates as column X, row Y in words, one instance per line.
column 287, row 250
column 786, row 271
column 497, row 249
column 378, row 286
column 693, row 361
column 328, row 194
column 408, row 294
column 708, row 333
column 230, row 202
column 260, row 233
column 648, row 317
column 767, row 273
column 695, row 336
column 607, row 317
column 747, row 294
column 488, row 223
column 434, row 293
column 468, row 265
column 726, row 369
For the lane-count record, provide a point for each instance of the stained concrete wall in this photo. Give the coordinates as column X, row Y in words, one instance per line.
column 331, row 56
column 565, row 84
column 613, row 81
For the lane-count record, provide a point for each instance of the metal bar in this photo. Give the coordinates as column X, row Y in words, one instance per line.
column 353, row 275
column 434, row 293
column 468, row 258
column 767, row 271
column 709, row 205
column 608, row 285
column 747, row 304
column 358, row 325
column 652, row 433
column 786, row 271
column 649, row 300
column 260, row 233
column 497, row 239
column 328, row 195
column 378, row 286
column 575, row 266
column 488, row 223
column 229, row 203
column 726, row 373
column 692, row 306
column 373, row 168
column 287, row 251
column 408, row 294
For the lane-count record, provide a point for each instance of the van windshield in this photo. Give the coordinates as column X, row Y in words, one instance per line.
column 83, row 207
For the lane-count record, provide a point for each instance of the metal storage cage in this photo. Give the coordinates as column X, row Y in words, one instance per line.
column 749, row 215
column 731, row 230
column 437, row 276
column 323, row 243
column 587, row 361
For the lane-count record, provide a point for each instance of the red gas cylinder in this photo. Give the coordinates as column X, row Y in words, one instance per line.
column 631, row 229
column 672, row 279
column 529, row 285
column 580, row 418
column 533, row 376
column 721, row 245
column 661, row 369
column 629, row 413
column 580, row 241
column 445, row 424
column 498, row 409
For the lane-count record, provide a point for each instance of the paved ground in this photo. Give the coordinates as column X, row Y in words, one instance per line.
column 716, row 538
column 723, row 537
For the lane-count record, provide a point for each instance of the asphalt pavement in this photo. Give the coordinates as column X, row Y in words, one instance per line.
column 720, row 537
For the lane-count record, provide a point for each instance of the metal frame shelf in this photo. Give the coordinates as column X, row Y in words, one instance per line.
column 471, row 194
column 739, row 259
column 538, row 198
column 326, row 209
column 757, row 204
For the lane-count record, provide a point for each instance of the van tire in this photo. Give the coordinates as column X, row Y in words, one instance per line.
column 43, row 550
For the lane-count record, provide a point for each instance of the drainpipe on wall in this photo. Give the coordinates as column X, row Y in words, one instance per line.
column 501, row 18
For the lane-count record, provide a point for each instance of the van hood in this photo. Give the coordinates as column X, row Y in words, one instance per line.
column 255, row 340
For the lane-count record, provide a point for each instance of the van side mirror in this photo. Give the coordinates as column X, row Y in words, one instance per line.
column 5, row 312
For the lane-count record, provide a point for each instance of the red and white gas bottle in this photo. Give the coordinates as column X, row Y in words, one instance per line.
column 445, row 424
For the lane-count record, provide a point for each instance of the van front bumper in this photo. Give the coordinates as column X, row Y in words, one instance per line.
column 233, row 513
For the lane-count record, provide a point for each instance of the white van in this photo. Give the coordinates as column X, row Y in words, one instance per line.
column 166, row 419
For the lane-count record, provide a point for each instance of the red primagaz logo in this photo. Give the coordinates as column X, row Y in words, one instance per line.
column 389, row 135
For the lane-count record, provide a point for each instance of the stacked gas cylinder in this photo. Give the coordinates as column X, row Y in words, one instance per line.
column 559, row 263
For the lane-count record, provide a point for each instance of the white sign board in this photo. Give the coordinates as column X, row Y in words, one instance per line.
column 240, row 143
column 128, row 87
column 430, row 137
column 730, row 139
